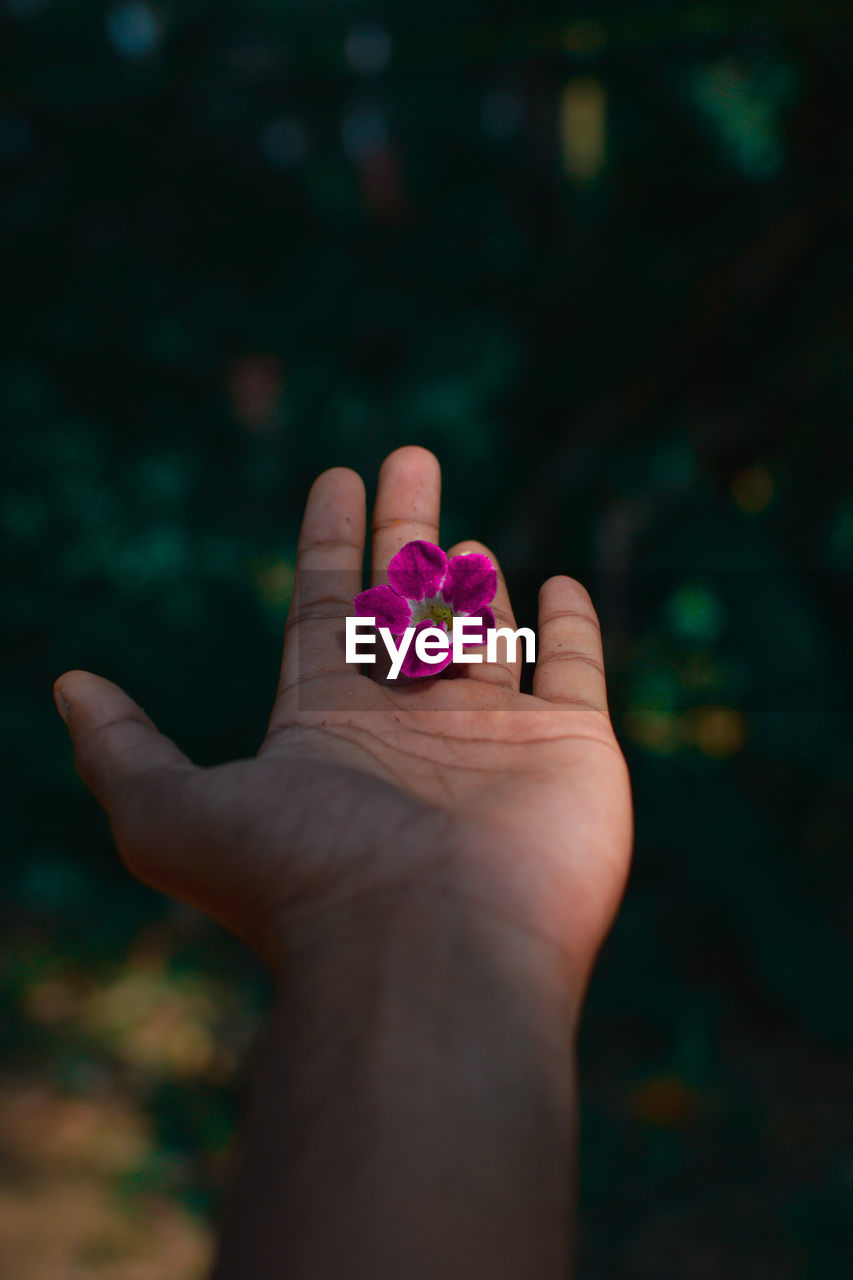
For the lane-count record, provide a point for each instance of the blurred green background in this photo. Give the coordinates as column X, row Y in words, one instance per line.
column 599, row 259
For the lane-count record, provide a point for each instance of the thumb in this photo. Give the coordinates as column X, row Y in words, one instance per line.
column 170, row 824
column 137, row 774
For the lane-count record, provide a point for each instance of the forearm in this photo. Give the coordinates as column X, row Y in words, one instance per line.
column 414, row 1113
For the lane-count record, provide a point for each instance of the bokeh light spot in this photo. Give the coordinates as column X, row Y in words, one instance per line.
column 273, row 578
column 745, row 105
column 284, row 143
column 134, row 29
column 583, row 128
column 716, row 731
column 664, row 1102
column 654, row 730
column 364, row 133
column 255, row 384
column 753, row 489
column 503, row 112
column 695, row 612
column 368, row 48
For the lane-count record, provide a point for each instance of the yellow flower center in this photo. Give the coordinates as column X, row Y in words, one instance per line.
column 440, row 614
column 434, row 610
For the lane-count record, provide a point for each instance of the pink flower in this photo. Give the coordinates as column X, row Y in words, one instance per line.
column 425, row 589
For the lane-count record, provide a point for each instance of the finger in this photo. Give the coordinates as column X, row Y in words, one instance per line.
column 328, row 577
column 134, row 771
column 501, row 671
column 408, row 499
column 570, row 664
column 175, row 826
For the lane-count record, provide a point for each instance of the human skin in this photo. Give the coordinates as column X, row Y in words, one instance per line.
column 429, row 870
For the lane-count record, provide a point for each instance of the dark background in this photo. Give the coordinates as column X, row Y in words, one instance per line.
column 597, row 258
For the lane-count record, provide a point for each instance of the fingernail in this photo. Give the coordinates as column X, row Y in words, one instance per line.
column 61, row 703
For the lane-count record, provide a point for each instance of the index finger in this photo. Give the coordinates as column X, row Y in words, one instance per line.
column 328, row 577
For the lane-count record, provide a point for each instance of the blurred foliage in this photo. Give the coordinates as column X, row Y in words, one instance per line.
column 598, row 259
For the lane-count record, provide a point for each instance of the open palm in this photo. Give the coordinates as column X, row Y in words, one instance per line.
column 461, row 790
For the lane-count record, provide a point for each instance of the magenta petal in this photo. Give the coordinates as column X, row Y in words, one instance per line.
column 412, row 664
column 477, row 636
column 471, row 581
column 417, row 569
column 383, row 604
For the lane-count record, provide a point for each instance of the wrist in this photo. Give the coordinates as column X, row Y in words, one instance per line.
column 398, row 953
column 417, row 1089
column 477, row 894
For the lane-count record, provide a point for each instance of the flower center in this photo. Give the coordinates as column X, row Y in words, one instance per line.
column 437, row 611
column 440, row 614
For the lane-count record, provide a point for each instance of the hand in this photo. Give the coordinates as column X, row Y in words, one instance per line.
column 462, row 793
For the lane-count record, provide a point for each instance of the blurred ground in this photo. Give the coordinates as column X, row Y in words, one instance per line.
column 59, row 1215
